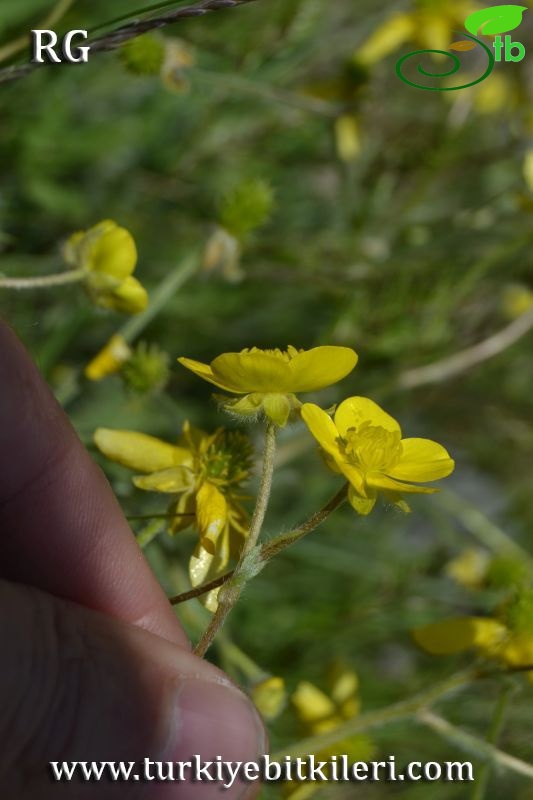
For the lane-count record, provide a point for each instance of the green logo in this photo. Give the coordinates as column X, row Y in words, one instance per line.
column 487, row 21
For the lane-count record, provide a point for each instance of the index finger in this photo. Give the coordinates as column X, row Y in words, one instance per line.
column 61, row 528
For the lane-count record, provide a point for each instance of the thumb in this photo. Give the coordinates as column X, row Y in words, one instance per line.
column 78, row 686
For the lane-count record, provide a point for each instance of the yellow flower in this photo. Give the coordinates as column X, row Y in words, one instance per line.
column 269, row 696
column 517, row 299
column 365, row 444
column 430, row 25
column 109, row 360
column 347, row 138
column 206, row 472
column 469, row 568
column 107, row 255
column 320, row 713
column 507, row 638
column 269, row 379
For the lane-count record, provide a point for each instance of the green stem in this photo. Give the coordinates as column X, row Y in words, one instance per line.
column 234, row 587
column 496, row 725
column 383, row 716
column 133, row 15
column 136, row 325
column 471, row 744
column 480, row 526
column 46, row 281
column 267, row 92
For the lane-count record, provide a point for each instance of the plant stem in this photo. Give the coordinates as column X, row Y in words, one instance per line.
column 131, row 329
column 234, row 587
column 495, row 729
column 383, row 716
column 46, row 281
column 117, row 37
column 270, row 549
column 466, row 741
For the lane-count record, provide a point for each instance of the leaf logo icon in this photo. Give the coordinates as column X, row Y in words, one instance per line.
column 498, row 19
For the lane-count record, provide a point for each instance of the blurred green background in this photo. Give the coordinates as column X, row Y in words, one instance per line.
column 404, row 231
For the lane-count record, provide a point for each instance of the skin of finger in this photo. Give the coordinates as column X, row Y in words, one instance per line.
column 61, row 528
column 80, row 686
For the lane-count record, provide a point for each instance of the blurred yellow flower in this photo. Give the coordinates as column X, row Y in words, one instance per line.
column 206, row 472
column 490, row 637
column 109, row 360
column 528, row 169
column 269, row 379
column 320, row 713
column 507, row 637
column 347, row 138
column 517, row 300
column 365, row 444
column 107, row 255
column 269, row 696
column 430, row 25
column 469, row 568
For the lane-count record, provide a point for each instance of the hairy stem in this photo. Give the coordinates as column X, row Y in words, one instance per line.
column 496, row 726
column 471, row 744
column 234, row 587
column 43, row 282
column 270, row 549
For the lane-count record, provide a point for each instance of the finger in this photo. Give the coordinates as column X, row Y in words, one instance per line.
column 80, row 686
column 61, row 528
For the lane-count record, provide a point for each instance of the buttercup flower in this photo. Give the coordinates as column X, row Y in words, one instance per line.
column 507, row 638
column 270, row 379
column 107, row 255
column 365, row 444
column 205, row 472
column 320, row 713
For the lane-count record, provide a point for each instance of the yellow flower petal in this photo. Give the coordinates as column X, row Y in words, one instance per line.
column 422, row 460
column 256, row 371
column 204, row 371
column 168, row 481
column 311, row 704
column 363, row 505
column 109, row 360
column 112, row 250
column 518, row 651
column 377, row 480
column 129, row 298
column 211, row 515
column 459, row 634
column 315, row 369
column 269, row 696
column 277, row 408
column 386, row 39
column 139, row 451
column 322, row 428
column 355, row 411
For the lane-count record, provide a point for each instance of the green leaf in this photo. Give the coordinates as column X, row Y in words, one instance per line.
column 498, row 19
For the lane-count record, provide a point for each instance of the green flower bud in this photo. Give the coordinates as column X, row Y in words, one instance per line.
column 247, row 207
column 144, row 55
column 147, row 370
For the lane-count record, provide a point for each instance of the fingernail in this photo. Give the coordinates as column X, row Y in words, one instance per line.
column 213, row 722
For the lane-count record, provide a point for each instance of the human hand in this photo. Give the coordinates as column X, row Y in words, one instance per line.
column 94, row 665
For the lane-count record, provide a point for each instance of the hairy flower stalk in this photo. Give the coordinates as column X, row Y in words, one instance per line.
column 232, row 591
